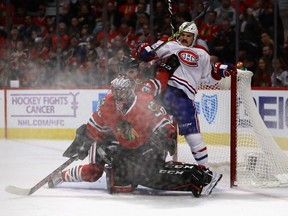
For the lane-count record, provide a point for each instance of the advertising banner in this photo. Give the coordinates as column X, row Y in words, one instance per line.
column 50, row 109
column 57, row 113
column 273, row 109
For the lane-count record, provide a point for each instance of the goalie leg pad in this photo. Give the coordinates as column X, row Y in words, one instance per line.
column 179, row 177
column 112, row 185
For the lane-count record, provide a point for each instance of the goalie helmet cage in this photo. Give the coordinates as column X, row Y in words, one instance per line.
column 237, row 138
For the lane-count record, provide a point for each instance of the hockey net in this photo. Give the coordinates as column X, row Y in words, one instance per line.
column 238, row 141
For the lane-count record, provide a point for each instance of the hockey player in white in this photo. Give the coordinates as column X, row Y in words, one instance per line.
column 195, row 68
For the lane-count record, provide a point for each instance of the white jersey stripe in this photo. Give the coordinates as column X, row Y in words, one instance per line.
column 184, row 84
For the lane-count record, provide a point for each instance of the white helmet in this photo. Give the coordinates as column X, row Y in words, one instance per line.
column 192, row 28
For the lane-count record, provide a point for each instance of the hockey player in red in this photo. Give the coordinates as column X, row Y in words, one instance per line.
column 129, row 137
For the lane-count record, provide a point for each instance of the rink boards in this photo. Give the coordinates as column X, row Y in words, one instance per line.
column 56, row 113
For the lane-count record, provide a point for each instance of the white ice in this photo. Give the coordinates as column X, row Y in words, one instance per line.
column 23, row 163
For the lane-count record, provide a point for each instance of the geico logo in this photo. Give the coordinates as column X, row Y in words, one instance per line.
column 273, row 111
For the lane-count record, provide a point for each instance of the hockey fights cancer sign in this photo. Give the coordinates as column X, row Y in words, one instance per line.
column 50, row 109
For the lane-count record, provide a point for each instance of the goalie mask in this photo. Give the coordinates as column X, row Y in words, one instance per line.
column 123, row 90
column 189, row 29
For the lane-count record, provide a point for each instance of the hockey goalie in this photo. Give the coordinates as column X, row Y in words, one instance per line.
column 128, row 138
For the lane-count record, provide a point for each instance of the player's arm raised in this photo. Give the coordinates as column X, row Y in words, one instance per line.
column 220, row 70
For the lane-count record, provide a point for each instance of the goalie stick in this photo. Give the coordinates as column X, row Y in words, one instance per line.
column 26, row 192
column 176, row 34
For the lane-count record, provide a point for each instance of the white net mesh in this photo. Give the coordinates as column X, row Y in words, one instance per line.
column 260, row 161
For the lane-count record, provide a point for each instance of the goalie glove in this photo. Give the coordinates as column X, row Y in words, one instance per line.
column 144, row 52
column 166, row 138
column 220, row 70
column 80, row 145
column 107, row 150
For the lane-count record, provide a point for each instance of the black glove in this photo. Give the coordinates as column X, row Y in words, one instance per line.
column 107, row 151
column 169, row 64
column 81, row 144
column 166, row 139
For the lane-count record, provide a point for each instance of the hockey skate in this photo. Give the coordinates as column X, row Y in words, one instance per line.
column 56, row 180
column 215, row 178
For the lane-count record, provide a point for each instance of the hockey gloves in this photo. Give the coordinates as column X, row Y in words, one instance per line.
column 220, row 70
column 166, row 139
column 81, row 144
column 169, row 64
column 144, row 52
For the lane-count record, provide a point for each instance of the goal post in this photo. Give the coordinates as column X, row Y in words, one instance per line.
column 238, row 140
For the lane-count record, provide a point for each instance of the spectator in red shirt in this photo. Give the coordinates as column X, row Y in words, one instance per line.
column 39, row 52
column 5, row 13
column 19, row 16
column 3, row 43
column 41, row 18
column 209, row 28
column 63, row 37
column 127, row 32
column 128, row 9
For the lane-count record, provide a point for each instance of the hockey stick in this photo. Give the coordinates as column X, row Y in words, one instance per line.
column 172, row 15
column 176, row 34
column 26, row 192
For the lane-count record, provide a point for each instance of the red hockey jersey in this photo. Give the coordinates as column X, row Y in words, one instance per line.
column 134, row 128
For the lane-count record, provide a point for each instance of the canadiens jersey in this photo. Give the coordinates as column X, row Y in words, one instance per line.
column 195, row 67
column 132, row 129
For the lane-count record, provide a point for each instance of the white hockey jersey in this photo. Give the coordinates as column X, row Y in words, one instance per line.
column 195, row 67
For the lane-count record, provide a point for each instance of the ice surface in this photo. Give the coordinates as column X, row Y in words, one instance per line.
column 23, row 163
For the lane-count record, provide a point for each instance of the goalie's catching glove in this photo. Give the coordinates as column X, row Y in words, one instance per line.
column 144, row 52
column 220, row 70
column 81, row 144
column 166, row 139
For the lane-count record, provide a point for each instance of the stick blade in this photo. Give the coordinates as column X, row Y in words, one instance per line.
column 18, row 191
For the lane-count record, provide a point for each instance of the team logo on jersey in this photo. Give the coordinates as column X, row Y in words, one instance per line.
column 209, row 107
column 101, row 103
column 126, row 130
column 188, row 57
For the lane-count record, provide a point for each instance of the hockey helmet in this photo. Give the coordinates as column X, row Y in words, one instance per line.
column 126, row 63
column 124, row 92
column 190, row 28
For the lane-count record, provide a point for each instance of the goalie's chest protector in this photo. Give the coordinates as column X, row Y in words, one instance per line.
column 135, row 127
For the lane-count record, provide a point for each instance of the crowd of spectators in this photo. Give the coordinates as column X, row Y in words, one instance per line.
column 41, row 49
